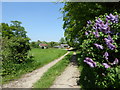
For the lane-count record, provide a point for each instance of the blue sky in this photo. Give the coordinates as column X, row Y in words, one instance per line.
column 41, row 19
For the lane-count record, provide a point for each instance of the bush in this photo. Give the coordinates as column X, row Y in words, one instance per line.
column 15, row 47
column 100, row 52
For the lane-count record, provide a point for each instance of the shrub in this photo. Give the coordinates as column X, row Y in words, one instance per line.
column 15, row 47
column 100, row 52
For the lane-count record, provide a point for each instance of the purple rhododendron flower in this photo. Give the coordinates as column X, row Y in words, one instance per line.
column 99, row 21
column 118, row 34
column 116, row 61
column 89, row 59
column 96, row 34
column 111, row 46
column 105, row 28
column 112, row 18
column 99, row 25
column 106, row 65
column 98, row 46
column 86, row 33
column 106, row 55
column 94, row 27
column 109, row 42
column 90, row 62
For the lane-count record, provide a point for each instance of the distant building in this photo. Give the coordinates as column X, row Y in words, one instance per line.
column 57, row 46
column 62, row 46
column 43, row 46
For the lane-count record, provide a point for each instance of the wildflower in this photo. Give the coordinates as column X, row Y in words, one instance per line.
column 112, row 18
column 106, row 65
column 109, row 42
column 96, row 34
column 99, row 21
column 90, row 62
column 115, row 62
column 118, row 34
column 105, row 28
column 106, row 55
column 98, row 46
column 99, row 25
column 111, row 46
column 86, row 33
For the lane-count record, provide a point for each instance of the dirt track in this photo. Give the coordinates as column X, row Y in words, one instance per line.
column 68, row 79
column 27, row 80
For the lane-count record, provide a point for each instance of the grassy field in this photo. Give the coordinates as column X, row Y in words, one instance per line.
column 44, row 56
column 48, row 78
column 41, row 57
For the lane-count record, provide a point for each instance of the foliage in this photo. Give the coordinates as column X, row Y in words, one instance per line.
column 98, row 41
column 52, row 44
column 75, row 15
column 100, row 52
column 34, row 44
column 62, row 40
column 15, row 46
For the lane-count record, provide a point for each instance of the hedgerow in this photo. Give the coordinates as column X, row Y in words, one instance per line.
column 15, row 47
column 100, row 52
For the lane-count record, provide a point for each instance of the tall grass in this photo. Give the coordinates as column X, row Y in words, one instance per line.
column 40, row 58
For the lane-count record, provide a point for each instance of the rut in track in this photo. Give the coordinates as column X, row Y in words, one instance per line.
column 27, row 80
column 69, row 78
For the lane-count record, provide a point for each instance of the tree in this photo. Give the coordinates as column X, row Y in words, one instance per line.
column 34, row 44
column 6, row 30
column 15, row 42
column 52, row 44
column 99, row 46
column 17, row 29
column 75, row 16
column 15, row 47
column 62, row 40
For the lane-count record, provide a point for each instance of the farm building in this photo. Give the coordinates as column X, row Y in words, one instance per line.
column 62, row 46
column 43, row 46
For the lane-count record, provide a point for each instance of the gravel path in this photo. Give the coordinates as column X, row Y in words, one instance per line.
column 27, row 80
column 68, row 79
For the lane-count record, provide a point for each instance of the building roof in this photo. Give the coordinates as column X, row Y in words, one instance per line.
column 41, row 44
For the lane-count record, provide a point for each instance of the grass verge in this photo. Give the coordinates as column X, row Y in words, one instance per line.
column 41, row 57
column 48, row 78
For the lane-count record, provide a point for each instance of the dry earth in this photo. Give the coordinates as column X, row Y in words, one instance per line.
column 27, row 80
column 69, row 78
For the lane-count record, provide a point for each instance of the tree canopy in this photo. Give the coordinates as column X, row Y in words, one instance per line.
column 76, row 14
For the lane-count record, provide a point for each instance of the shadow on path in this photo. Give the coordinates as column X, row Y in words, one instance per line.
column 70, row 77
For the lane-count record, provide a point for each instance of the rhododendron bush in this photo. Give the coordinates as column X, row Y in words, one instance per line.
column 100, row 52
